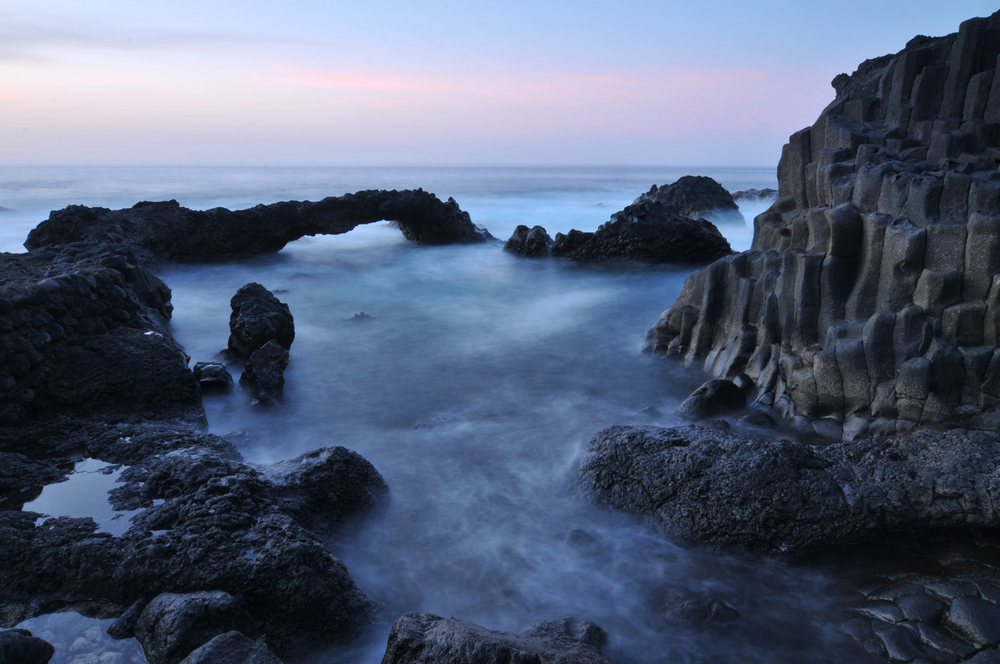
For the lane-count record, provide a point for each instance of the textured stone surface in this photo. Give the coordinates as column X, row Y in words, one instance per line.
column 918, row 236
column 701, row 197
column 422, row 638
column 231, row 648
column 172, row 625
column 790, row 499
column 18, row 646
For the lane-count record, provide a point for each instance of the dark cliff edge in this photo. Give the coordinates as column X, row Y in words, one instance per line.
column 870, row 299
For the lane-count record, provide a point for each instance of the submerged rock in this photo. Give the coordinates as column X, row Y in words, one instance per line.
column 165, row 231
column 213, row 377
column 755, row 195
column 697, row 197
column 422, row 638
column 699, row 611
column 790, row 499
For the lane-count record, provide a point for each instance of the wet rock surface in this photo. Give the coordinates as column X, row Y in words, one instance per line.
column 868, row 301
column 257, row 318
column 714, row 398
column 213, row 377
column 790, row 499
column 209, row 522
column 696, row 197
column 18, row 646
column 172, row 626
column 265, row 373
column 755, row 195
column 532, row 242
column 428, row 639
column 165, row 231
column 934, row 604
column 232, row 648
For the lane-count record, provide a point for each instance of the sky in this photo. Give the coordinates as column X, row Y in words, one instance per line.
column 699, row 82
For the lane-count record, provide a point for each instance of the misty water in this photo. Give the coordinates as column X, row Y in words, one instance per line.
column 473, row 388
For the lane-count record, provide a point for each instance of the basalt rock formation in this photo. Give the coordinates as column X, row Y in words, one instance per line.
column 165, row 231
column 871, row 295
column 646, row 231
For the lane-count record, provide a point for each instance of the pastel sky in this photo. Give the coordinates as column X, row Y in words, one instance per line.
column 698, row 82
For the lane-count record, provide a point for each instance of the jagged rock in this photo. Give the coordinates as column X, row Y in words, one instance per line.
column 207, row 521
column 422, row 638
column 647, row 231
column 18, row 646
column 83, row 332
column 790, row 499
column 165, row 231
column 257, row 318
column 714, row 398
column 889, row 206
column 697, row 197
column 231, row 648
column 533, row 243
column 172, row 626
column 213, row 377
column 265, row 373
column 124, row 625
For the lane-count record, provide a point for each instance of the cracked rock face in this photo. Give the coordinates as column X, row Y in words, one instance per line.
column 790, row 499
column 870, row 297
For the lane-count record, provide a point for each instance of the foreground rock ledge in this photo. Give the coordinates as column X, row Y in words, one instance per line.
column 790, row 499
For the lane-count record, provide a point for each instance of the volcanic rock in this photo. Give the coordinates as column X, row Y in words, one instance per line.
column 213, row 377
column 422, row 638
column 790, row 499
column 697, row 197
column 869, row 298
column 232, row 648
column 18, row 646
column 714, row 398
column 533, row 243
column 257, row 318
column 265, row 373
column 165, row 231
column 172, row 626
column 647, row 231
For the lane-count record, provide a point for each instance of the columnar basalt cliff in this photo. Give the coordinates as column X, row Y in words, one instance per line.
column 870, row 299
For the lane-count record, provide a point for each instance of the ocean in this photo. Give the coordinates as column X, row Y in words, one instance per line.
column 473, row 388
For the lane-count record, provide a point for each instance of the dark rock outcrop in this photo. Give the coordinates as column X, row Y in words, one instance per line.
column 207, row 522
column 257, row 318
column 165, row 231
column 699, row 611
column 265, row 373
column 18, row 646
column 533, row 243
column 232, row 648
column 83, row 332
column 697, row 197
column 869, row 301
column 790, row 499
column 422, row 638
column 649, row 232
column 172, row 626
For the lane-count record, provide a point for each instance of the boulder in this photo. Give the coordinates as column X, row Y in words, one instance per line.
column 790, row 499
column 257, row 318
column 533, row 243
column 165, row 231
column 697, row 197
column 714, row 398
column 18, row 646
column 213, row 377
column 172, row 626
column 755, row 195
column 649, row 232
column 265, row 373
column 231, row 648
column 422, row 638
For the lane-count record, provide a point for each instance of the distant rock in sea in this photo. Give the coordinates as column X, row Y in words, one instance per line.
column 755, row 194
column 697, row 197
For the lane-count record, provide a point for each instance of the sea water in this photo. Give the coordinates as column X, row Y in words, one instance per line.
column 473, row 386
